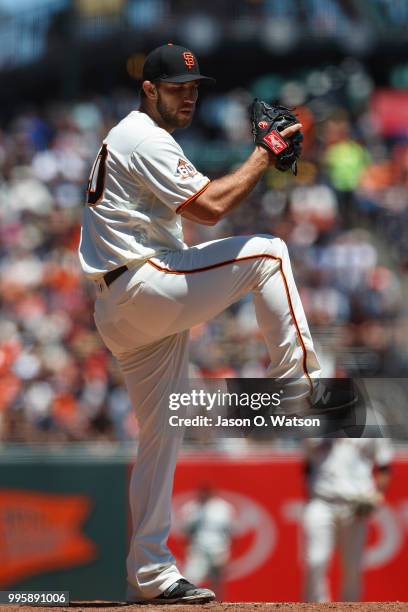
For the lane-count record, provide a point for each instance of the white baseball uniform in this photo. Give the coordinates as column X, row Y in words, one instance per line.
column 209, row 525
column 340, row 472
column 140, row 182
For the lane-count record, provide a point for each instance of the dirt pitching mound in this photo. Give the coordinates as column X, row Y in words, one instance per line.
column 108, row 606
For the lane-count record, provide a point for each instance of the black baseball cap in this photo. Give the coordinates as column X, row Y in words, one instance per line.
column 172, row 64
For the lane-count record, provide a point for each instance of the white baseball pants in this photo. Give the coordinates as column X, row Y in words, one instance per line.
column 144, row 318
column 327, row 525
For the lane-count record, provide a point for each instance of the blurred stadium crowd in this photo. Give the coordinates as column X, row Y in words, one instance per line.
column 344, row 218
column 29, row 27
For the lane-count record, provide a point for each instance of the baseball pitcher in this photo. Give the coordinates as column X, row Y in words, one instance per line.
column 151, row 288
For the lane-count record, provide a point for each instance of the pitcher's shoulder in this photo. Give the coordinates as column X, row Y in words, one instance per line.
column 132, row 130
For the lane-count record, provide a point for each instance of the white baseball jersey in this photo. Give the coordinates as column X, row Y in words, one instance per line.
column 139, row 183
column 343, row 467
column 212, row 523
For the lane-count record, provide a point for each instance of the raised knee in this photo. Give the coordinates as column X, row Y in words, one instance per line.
column 277, row 248
column 270, row 245
column 284, row 246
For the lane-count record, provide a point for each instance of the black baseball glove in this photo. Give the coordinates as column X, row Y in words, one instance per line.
column 267, row 121
column 364, row 505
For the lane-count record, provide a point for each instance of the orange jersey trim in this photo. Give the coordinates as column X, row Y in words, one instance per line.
column 285, row 283
column 191, row 198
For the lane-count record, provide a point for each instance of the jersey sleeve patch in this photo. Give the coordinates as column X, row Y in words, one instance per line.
column 160, row 165
column 185, row 169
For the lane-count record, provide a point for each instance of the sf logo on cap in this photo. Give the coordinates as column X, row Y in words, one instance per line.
column 188, row 59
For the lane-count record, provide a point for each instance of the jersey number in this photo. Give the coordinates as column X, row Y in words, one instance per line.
column 96, row 183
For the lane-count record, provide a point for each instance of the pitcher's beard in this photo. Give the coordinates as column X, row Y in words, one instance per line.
column 171, row 118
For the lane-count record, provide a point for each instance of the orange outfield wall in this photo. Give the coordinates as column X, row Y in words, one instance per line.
column 268, row 494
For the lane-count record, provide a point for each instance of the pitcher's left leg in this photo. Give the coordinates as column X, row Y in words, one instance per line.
column 160, row 369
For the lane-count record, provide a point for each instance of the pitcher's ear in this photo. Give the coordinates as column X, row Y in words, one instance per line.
column 150, row 90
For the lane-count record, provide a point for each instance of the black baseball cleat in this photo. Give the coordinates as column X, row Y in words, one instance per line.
column 341, row 405
column 182, row 591
column 334, row 394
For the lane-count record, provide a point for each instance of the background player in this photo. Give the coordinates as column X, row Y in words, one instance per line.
column 208, row 522
column 344, row 490
column 151, row 288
